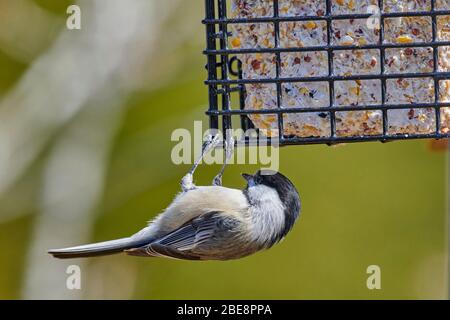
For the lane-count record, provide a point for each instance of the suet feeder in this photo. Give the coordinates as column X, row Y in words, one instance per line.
column 329, row 71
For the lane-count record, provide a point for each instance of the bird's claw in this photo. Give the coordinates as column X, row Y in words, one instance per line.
column 187, row 183
column 217, row 180
column 210, row 143
column 229, row 148
column 229, row 151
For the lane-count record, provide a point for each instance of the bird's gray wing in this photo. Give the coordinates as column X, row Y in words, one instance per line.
column 181, row 243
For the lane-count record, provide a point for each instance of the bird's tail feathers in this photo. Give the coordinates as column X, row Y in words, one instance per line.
column 96, row 249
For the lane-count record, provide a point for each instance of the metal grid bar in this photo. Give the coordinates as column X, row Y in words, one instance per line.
column 439, row 75
column 278, row 68
column 224, row 85
column 211, row 64
column 325, row 17
column 325, row 109
column 330, row 70
column 382, row 67
column 224, row 60
column 325, row 48
column 435, row 65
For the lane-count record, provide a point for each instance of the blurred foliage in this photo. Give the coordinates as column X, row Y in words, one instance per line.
column 57, row 7
column 11, row 70
column 363, row 204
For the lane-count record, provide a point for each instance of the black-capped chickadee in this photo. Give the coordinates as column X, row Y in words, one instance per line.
column 211, row 222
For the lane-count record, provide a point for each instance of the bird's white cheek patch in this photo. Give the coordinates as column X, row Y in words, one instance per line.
column 267, row 212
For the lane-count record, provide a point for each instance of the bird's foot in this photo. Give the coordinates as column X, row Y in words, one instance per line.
column 229, row 151
column 217, row 180
column 187, row 183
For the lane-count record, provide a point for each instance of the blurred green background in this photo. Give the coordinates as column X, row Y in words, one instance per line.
column 85, row 123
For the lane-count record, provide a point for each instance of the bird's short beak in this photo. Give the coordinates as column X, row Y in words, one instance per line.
column 247, row 176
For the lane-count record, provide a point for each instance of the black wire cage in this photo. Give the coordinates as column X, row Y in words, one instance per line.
column 228, row 85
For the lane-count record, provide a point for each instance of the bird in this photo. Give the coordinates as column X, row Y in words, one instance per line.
column 211, row 222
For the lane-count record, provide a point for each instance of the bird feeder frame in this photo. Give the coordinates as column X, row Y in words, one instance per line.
column 225, row 74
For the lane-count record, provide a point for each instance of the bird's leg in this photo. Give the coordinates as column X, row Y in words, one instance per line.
column 229, row 151
column 187, row 183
